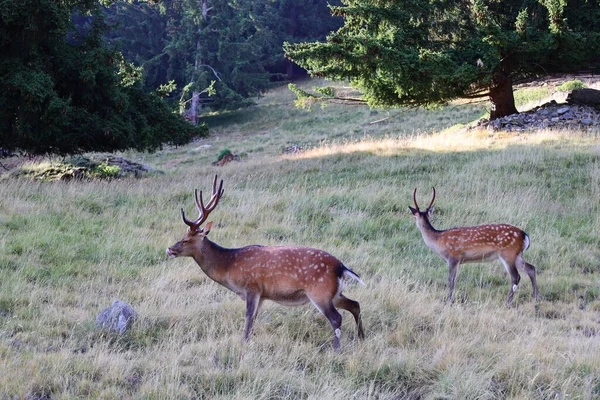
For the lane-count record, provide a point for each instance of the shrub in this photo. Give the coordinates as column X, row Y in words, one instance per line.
column 571, row 85
column 223, row 153
column 106, row 171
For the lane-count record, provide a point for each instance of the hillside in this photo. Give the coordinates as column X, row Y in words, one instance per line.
column 339, row 179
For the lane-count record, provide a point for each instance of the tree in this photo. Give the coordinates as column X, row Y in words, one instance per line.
column 235, row 46
column 139, row 31
column 62, row 90
column 425, row 52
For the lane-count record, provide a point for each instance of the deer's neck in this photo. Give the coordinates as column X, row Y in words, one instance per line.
column 215, row 260
column 429, row 233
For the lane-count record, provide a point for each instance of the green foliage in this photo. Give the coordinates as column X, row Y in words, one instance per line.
column 304, row 99
column 420, row 52
column 65, row 92
column 235, row 44
column 571, row 85
column 107, row 171
column 167, row 89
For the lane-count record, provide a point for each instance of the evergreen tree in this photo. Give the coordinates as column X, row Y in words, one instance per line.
column 235, row 46
column 423, row 52
column 63, row 91
column 139, row 31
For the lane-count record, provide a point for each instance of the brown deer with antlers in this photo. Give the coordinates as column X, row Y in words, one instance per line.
column 288, row 275
column 477, row 244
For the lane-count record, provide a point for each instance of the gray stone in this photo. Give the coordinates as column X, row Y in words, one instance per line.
column 567, row 115
column 547, row 115
column 117, row 318
column 584, row 96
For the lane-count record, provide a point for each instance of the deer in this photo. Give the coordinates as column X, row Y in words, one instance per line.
column 476, row 244
column 288, row 275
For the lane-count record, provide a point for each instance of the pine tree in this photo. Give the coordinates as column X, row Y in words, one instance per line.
column 423, row 52
column 62, row 90
column 218, row 53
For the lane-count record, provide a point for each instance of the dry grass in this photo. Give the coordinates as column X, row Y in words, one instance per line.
column 67, row 250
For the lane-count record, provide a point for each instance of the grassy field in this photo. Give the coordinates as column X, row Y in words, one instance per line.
column 69, row 249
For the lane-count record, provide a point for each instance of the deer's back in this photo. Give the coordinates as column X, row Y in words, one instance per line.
column 285, row 273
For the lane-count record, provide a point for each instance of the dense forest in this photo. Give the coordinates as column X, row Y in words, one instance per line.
column 82, row 75
column 220, row 53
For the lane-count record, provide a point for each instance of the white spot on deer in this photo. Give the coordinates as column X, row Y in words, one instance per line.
column 514, row 288
column 338, row 333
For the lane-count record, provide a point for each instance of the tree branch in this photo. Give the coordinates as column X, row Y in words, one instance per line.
column 212, row 69
column 395, row 115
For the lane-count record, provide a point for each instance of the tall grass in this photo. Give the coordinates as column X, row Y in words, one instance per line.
column 67, row 250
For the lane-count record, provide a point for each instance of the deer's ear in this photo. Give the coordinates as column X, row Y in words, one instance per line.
column 430, row 211
column 207, row 228
column 413, row 210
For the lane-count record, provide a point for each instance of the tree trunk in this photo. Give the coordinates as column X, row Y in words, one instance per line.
column 195, row 107
column 501, row 96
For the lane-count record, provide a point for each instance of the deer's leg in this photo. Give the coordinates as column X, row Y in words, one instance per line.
column 354, row 308
column 335, row 319
column 452, row 268
column 253, row 302
column 514, row 277
column 530, row 271
column 326, row 307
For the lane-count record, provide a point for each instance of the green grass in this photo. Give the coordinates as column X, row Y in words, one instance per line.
column 571, row 85
column 69, row 249
column 531, row 95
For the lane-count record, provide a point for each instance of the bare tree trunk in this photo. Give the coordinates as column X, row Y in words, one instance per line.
column 195, row 103
column 501, row 92
column 195, row 106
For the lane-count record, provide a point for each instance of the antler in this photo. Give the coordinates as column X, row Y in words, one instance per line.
column 433, row 199
column 203, row 210
column 415, row 199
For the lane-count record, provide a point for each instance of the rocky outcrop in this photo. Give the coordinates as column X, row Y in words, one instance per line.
column 580, row 112
column 126, row 168
column 95, row 166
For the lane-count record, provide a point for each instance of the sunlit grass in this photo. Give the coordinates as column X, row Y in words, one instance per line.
column 450, row 140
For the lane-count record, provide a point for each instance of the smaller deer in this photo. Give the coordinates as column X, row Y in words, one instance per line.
column 288, row 275
column 477, row 244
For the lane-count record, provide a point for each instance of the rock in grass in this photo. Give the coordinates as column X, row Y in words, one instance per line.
column 117, row 318
column 590, row 97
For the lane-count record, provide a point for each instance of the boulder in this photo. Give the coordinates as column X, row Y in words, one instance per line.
column 117, row 318
column 590, row 97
